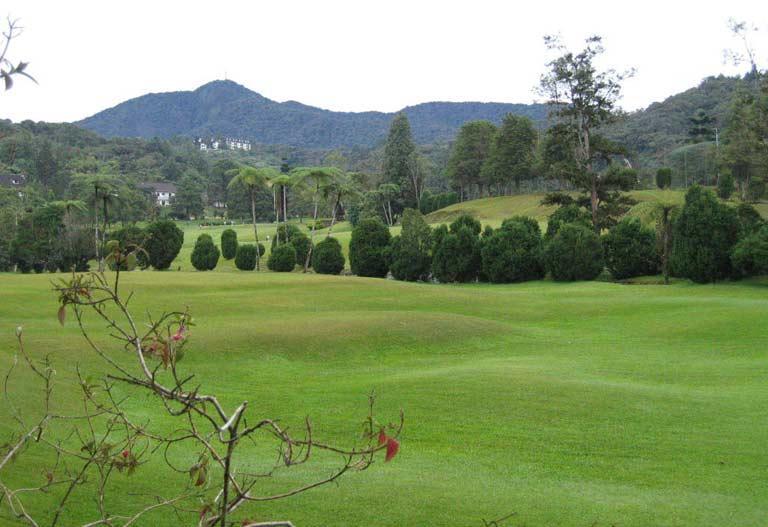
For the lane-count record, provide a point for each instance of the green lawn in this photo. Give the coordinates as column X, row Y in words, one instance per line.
column 570, row 404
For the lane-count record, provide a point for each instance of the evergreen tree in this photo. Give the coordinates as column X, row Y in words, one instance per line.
column 469, row 154
column 702, row 127
column 512, row 152
column 400, row 166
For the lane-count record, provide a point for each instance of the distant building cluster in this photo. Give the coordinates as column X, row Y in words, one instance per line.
column 13, row 181
column 228, row 143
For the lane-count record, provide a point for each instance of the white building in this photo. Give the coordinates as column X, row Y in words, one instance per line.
column 163, row 193
column 229, row 143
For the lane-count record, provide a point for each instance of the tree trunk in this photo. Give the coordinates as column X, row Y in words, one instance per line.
column 665, row 245
column 333, row 217
column 277, row 217
column 312, row 234
column 255, row 229
column 594, row 203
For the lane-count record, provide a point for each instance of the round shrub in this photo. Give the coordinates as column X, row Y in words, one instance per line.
column 513, row 252
column 292, row 234
column 327, row 257
column 368, row 248
column 703, row 236
column 465, row 220
column 205, row 255
column 282, row 259
column 750, row 255
column 164, row 241
column 456, row 257
column 245, row 258
column 630, row 250
column 409, row 253
column 574, row 253
column 725, row 186
column 567, row 214
column 228, row 244
column 664, row 177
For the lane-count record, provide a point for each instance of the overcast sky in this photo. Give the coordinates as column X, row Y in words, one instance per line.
column 354, row 55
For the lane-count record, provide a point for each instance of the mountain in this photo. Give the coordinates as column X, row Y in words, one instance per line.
column 229, row 109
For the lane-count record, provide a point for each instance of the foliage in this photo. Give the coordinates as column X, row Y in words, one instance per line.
column 750, row 255
column 513, row 253
column 511, row 157
column 469, row 153
column 164, row 241
column 188, row 202
column 205, row 254
column 368, row 248
column 432, row 202
column 725, row 186
column 282, row 259
column 630, row 250
column 229, row 244
column 664, row 177
column 289, row 233
column 327, row 257
column 456, row 251
column 750, row 220
column 574, row 253
column 131, row 238
column 245, row 257
column 409, row 254
column 570, row 213
column 704, row 235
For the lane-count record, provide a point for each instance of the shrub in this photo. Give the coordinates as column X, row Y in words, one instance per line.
column 327, row 257
column 755, row 189
column 229, row 244
column 282, row 259
column 368, row 248
column 164, row 241
column 456, row 254
column 574, row 253
column 513, row 252
column 664, row 177
column 704, row 234
column 300, row 241
column 725, row 186
column 750, row 255
column 245, row 257
column 410, row 253
column 129, row 238
column 205, row 255
column 567, row 214
column 630, row 250
column 750, row 220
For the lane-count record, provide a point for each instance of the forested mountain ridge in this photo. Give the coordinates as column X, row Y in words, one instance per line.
column 229, row 109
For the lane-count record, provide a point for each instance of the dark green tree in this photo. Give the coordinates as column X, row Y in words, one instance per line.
column 327, row 257
column 664, row 177
column 750, row 255
column 702, row 127
column 282, row 259
column 513, row 253
column 368, row 248
column 205, row 254
column 630, row 250
column 228, row 244
column 456, row 251
column 163, row 243
column 513, row 152
column 245, row 258
column 188, row 202
column 400, row 158
column 468, row 155
column 575, row 253
column 410, row 255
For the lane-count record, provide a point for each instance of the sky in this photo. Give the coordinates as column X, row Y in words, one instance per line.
column 355, row 55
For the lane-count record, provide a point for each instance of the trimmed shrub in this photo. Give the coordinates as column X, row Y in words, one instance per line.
column 205, row 255
column 327, row 257
column 567, row 214
column 456, row 254
column 228, row 244
column 513, row 252
column 245, row 257
column 465, row 220
column 725, row 186
column 164, row 241
column 664, row 177
column 750, row 255
column 368, row 248
column 409, row 254
column 574, row 253
column 704, row 234
column 630, row 250
column 282, row 259
column 293, row 235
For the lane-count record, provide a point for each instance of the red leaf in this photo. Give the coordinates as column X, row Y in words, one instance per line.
column 382, row 437
column 62, row 314
column 392, row 448
column 126, row 453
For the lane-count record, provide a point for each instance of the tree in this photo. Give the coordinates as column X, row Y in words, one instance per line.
column 456, row 252
column 750, row 255
column 704, row 235
column 205, row 254
column 315, row 178
column 164, row 241
column 702, row 127
column 399, row 155
column 229, row 244
column 725, row 186
column 251, row 179
column 513, row 253
column 188, row 202
column 575, row 253
column 664, row 177
column 582, row 99
column 7, row 69
column 410, row 255
column 102, row 192
column 630, row 250
column 664, row 212
column 512, row 152
column 368, row 248
column 469, row 154
column 282, row 182
column 327, row 257
column 564, row 215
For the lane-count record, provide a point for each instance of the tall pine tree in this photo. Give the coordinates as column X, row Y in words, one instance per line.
column 401, row 165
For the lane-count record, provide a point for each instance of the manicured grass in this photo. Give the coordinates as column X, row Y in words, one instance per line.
column 570, row 404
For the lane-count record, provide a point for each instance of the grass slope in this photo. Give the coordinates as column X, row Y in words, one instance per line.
column 570, row 404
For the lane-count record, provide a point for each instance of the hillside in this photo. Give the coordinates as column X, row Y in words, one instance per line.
column 227, row 108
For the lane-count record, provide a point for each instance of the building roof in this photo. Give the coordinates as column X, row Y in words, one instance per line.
column 12, row 180
column 158, row 187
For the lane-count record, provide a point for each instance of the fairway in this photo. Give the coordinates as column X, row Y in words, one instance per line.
column 574, row 404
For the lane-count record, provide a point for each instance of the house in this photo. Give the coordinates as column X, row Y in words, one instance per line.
column 161, row 192
column 13, row 181
column 229, row 143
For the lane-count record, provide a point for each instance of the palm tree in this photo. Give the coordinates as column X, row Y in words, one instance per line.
column 252, row 179
column 662, row 211
column 102, row 192
column 283, row 181
column 314, row 178
column 70, row 207
column 338, row 189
